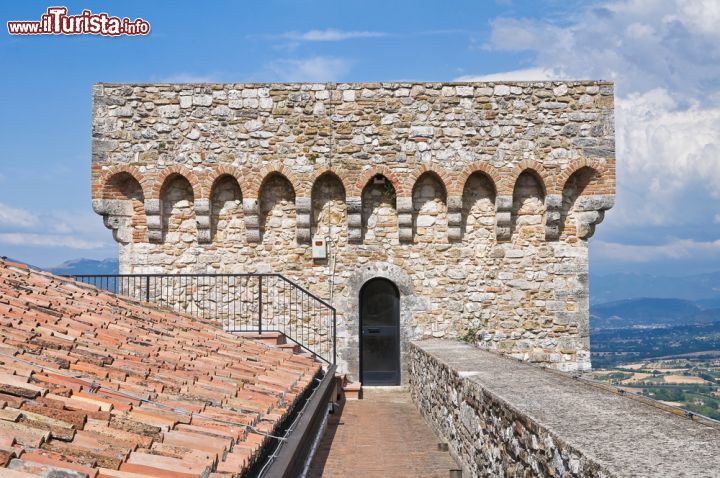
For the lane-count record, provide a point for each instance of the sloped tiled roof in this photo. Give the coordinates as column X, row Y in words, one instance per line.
column 109, row 387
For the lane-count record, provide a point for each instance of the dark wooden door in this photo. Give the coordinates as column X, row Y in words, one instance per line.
column 379, row 333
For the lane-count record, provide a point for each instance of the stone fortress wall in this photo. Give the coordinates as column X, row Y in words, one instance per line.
column 476, row 199
column 505, row 418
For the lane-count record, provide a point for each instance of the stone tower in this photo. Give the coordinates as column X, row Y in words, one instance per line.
column 475, row 200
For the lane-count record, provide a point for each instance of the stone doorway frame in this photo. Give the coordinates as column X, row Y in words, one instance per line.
column 409, row 304
column 394, row 325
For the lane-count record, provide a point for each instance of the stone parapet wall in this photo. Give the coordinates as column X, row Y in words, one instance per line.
column 488, row 436
column 504, row 418
column 477, row 199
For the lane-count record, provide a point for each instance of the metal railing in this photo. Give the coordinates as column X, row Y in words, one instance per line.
column 238, row 302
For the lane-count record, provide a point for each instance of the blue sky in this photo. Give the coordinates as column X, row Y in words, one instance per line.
column 663, row 56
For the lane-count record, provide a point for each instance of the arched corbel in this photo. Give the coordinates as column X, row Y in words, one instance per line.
column 590, row 211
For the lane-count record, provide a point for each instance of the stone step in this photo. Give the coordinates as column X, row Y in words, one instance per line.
column 270, row 338
column 353, row 391
column 310, row 355
column 290, row 346
column 279, row 340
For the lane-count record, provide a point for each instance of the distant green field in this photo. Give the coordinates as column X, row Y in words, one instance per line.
column 611, row 347
column 691, row 382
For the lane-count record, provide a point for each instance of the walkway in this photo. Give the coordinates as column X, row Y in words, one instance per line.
column 382, row 435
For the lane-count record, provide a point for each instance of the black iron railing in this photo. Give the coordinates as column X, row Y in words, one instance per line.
column 239, row 302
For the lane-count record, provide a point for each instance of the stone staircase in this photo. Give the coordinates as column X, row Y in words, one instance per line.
column 279, row 340
column 349, row 390
column 252, row 295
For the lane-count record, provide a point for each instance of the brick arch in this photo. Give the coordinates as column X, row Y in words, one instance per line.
column 212, row 178
column 383, row 171
column 105, row 176
column 125, row 227
column 198, row 189
column 481, row 168
column 447, row 180
column 599, row 169
column 321, row 172
column 255, row 182
column 535, row 168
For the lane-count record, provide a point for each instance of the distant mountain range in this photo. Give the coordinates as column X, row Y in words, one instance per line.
column 617, row 300
column 610, row 347
column 649, row 312
column 79, row 266
column 87, row 266
column 703, row 289
column 642, row 300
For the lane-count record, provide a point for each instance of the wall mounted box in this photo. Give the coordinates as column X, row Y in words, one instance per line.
column 319, row 248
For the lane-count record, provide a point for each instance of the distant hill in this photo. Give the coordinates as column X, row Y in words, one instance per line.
column 647, row 312
column 636, row 316
column 631, row 312
column 612, row 346
column 614, row 287
column 87, row 266
column 79, row 266
column 708, row 303
column 18, row 261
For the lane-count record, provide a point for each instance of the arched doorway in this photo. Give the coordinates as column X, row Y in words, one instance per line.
column 379, row 333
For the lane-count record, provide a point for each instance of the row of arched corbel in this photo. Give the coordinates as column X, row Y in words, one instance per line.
column 589, row 211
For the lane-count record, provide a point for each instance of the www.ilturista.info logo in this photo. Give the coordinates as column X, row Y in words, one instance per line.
column 56, row 21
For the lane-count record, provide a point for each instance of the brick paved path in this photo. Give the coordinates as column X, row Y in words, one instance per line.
column 382, row 435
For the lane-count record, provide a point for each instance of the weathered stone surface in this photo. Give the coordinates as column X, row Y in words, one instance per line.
column 481, row 194
column 504, row 418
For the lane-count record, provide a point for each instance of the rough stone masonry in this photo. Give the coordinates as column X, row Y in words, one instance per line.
column 503, row 418
column 475, row 199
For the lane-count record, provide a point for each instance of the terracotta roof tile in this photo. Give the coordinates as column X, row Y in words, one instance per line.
column 91, row 384
column 6, row 454
column 50, row 459
column 102, row 430
column 87, row 454
column 20, row 469
column 11, row 400
column 23, row 434
column 108, row 473
column 156, row 465
column 160, row 471
column 10, row 414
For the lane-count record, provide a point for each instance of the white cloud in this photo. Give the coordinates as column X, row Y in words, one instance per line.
column 528, row 74
column 703, row 15
column 329, row 35
column 677, row 249
column 663, row 57
column 77, row 222
column 641, row 44
column 525, row 34
column 52, row 229
column 315, row 69
column 48, row 240
column 11, row 216
column 663, row 150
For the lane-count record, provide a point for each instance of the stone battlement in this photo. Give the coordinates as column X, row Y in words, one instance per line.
column 504, row 418
column 475, row 199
